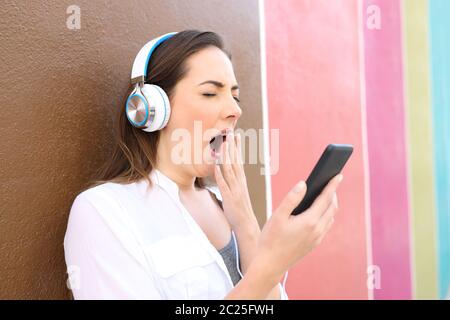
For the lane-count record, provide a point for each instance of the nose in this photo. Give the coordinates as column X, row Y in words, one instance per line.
column 233, row 110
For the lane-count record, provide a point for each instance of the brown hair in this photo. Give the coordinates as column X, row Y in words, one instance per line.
column 134, row 155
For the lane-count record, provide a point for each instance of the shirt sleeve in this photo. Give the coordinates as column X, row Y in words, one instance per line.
column 99, row 263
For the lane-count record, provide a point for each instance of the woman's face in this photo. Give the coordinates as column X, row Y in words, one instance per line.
column 204, row 103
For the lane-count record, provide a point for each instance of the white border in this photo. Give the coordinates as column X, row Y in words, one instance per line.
column 365, row 149
column 265, row 108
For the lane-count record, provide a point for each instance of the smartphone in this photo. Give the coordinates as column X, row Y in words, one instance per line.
column 329, row 165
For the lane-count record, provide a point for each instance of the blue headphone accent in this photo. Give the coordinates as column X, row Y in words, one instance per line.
column 162, row 39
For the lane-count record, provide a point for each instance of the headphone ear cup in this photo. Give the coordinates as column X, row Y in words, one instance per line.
column 137, row 110
column 158, row 101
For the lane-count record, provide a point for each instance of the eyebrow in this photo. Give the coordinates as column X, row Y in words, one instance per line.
column 219, row 84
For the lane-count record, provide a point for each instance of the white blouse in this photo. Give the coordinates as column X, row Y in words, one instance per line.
column 122, row 242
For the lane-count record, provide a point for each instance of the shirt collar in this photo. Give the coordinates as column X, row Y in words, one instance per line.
column 172, row 188
column 164, row 181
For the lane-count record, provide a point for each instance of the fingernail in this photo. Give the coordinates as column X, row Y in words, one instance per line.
column 341, row 177
column 300, row 186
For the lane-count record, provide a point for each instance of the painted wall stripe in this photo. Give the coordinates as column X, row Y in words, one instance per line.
column 265, row 108
column 365, row 151
column 407, row 147
column 420, row 148
column 439, row 17
column 313, row 80
column 387, row 153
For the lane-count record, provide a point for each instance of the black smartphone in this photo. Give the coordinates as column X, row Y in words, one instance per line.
column 329, row 165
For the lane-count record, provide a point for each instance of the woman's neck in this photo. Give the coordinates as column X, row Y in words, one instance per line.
column 184, row 181
column 175, row 172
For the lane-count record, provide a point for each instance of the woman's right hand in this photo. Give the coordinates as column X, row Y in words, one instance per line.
column 286, row 238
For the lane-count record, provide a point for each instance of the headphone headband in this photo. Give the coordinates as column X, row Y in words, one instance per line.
column 139, row 71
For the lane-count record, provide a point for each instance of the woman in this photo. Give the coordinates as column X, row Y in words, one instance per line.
column 150, row 228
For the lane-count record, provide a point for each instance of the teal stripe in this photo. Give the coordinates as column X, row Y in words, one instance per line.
column 439, row 17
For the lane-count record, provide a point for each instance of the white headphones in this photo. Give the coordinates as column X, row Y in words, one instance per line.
column 148, row 106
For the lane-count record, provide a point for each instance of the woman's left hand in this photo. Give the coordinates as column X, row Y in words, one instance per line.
column 232, row 183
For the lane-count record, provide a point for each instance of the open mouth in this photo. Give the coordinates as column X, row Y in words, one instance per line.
column 216, row 142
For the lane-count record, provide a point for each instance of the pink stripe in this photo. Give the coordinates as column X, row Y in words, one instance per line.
column 387, row 156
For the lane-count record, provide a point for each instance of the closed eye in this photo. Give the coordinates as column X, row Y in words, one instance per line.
column 213, row 95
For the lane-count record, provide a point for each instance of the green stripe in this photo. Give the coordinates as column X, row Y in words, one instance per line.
column 420, row 144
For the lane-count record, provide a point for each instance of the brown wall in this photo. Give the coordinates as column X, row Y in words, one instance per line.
column 58, row 89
